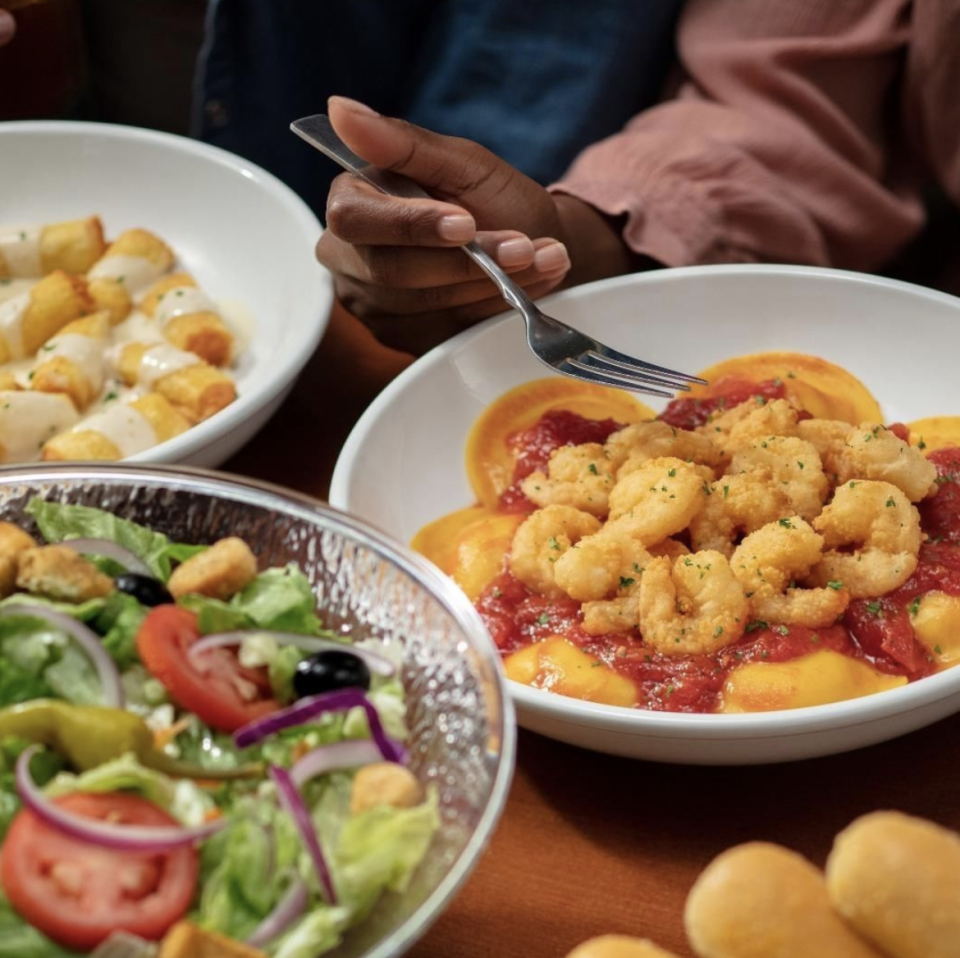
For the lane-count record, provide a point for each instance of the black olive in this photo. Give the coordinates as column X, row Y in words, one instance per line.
column 326, row 671
column 144, row 588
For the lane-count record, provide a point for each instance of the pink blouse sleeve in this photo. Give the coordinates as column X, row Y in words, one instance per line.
column 781, row 146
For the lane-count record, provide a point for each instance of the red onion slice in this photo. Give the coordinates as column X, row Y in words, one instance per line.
column 290, row 907
column 129, row 838
column 85, row 637
column 110, row 550
column 308, row 708
column 309, row 643
column 292, row 801
column 329, row 758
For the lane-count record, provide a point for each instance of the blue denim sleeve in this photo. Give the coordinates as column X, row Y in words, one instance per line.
column 535, row 81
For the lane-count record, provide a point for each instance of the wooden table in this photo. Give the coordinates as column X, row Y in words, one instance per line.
column 588, row 843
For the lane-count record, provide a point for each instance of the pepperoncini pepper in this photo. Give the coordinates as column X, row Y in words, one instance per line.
column 88, row 736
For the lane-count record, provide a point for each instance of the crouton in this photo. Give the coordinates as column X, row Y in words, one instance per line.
column 60, row 573
column 218, row 573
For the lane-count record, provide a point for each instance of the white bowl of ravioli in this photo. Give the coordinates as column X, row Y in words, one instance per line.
column 158, row 296
column 416, row 432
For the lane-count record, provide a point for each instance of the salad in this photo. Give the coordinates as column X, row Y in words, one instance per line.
column 190, row 764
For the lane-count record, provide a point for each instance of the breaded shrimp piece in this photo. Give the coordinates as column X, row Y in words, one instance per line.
column 664, row 493
column 871, row 535
column 612, row 615
column 692, row 606
column 633, row 445
column 579, row 476
column 873, row 452
column 60, row 573
column 598, row 565
column 542, row 541
column 829, row 438
column 13, row 541
column 769, row 561
column 747, row 423
column 384, row 783
column 218, row 572
column 767, row 480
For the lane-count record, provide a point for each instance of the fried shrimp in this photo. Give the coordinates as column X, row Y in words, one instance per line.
column 634, row 445
column 692, row 606
column 542, row 540
column 871, row 535
column 872, row 451
column 579, row 476
column 770, row 560
column 829, row 438
column 664, row 494
column 747, row 423
column 600, row 562
column 767, row 480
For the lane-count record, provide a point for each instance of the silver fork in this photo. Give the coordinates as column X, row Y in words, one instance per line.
column 562, row 348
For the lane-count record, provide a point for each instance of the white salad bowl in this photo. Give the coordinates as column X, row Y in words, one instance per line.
column 460, row 720
column 247, row 238
column 403, row 464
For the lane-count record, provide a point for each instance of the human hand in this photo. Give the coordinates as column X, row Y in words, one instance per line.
column 8, row 27
column 396, row 260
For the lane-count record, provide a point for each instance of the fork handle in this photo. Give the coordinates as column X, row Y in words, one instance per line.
column 319, row 132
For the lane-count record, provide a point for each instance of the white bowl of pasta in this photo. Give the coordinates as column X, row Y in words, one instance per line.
column 158, row 296
column 799, row 596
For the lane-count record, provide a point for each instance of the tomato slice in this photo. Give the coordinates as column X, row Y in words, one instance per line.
column 213, row 685
column 78, row 893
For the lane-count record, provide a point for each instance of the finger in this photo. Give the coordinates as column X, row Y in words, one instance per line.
column 420, row 334
column 421, row 268
column 8, row 27
column 359, row 213
column 449, row 167
column 367, row 300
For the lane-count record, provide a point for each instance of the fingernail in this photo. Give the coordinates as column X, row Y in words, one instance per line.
column 515, row 252
column 456, row 228
column 550, row 259
column 353, row 106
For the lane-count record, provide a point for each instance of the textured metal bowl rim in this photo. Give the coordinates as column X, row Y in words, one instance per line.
column 423, row 572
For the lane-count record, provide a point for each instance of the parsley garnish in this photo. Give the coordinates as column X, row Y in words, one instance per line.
column 835, row 584
column 593, row 468
column 626, row 582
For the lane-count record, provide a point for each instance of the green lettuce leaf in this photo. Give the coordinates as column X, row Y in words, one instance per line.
column 20, row 940
column 59, row 522
column 317, row 932
column 43, row 767
column 118, row 622
column 280, row 599
column 37, row 660
column 182, row 798
column 244, row 868
column 380, row 848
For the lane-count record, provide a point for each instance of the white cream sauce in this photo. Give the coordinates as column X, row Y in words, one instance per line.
column 183, row 301
column 161, row 360
column 20, row 246
column 135, row 272
column 46, row 414
column 12, row 312
column 85, row 352
column 29, row 419
column 123, row 425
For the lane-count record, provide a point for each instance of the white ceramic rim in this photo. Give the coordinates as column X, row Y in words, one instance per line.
column 717, row 727
column 270, row 496
column 281, row 374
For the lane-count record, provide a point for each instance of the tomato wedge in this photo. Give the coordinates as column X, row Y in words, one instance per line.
column 78, row 893
column 213, row 685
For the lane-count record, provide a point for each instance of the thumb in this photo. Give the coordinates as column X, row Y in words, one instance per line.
column 448, row 167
